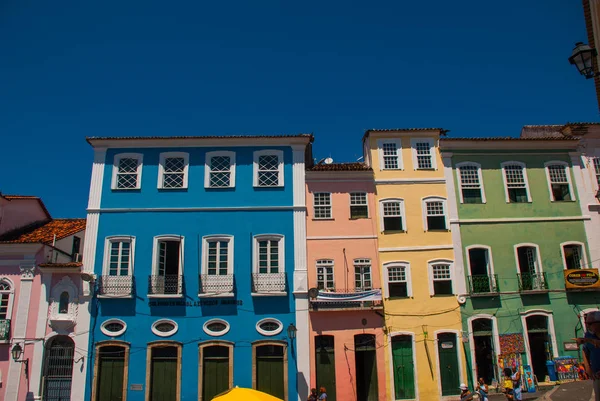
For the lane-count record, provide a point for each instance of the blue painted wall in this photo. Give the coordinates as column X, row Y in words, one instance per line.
column 242, row 225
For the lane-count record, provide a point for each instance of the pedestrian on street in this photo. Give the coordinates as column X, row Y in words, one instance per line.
column 508, row 384
column 313, row 395
column 482, row 390
column 465, row 394
column 591, row 350
column 516, row 379
column 323, row 395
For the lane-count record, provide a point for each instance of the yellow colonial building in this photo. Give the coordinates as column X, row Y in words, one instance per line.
column 423, row 343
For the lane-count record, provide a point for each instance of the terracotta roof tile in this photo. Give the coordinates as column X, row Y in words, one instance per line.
column 510, row 138
column 124, row 138
column 340, row 167
column 368, row 131
column 65, row 265
column 44, row 232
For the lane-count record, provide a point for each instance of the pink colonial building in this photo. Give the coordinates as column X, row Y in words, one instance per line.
column 345, row 316
column 43, row 307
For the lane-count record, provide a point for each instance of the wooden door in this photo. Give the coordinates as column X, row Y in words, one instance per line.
column 163, row 379
column 325, row 365
column 215, row 371
column 269, row 370
column 111, row 374
column 448, row 364
column 404, row 369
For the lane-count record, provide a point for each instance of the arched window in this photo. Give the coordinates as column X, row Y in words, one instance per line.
column 63, row 304
column 6, row 291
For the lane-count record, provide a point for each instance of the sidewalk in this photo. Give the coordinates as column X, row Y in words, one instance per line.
column 574, row 391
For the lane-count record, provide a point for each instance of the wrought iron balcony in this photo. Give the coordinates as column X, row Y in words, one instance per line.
column 165, row 285
column 351, row 299
column 532, row 282
column 115, row 286
column 216, row 284
column 268, row 282
column 483, row 284
column 4, row 329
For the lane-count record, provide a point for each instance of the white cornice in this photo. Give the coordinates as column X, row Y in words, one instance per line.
column 514, row 145
column 519, row 219
column 416, row 248
column 395, row 181
column 197, row 142
column 343, row 237
column 194, row 209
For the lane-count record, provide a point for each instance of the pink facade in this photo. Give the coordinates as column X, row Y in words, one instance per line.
column 345, row 242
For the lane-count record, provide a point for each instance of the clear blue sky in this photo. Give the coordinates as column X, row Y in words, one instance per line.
column 71, row 69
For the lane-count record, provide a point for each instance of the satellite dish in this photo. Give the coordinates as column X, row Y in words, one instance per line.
column 88, row 276
column 313, row 293
column 329, row 160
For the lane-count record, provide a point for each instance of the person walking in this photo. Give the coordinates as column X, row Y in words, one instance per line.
column 482, row 390
column 313, row 395
column 465, row 394
column 323, row 395
column 508, row 384
column 591, row 350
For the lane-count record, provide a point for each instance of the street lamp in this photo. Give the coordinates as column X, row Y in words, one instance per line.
column 16, row 352
column 291, row 331
column 582, row 57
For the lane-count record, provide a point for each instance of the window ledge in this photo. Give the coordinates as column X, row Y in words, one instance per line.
column 519, row 203
column 359, row 218
column 397, row 298
column 442, row 295
column 268, row 186
column 426, row 169
column 216, row 295
column 270, row 294
column 126, row 189
column 445, row 230
column 173, row 189
column 330, row 219
column 562, row 201
column 4, row 341
column 216, row 188
column 394, row 231
column 115, row 296
column 165, row 296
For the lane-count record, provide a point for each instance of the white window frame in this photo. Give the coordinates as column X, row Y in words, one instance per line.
column 568, row 174
column 267, row 152
column 350, row 204
column 551, row 331
column 490, row 266
column 434, row 198
column 11, row 298
column 363, row 262
column 167, row 333
column 115, row 170
column 432, row 153
column 430, row 264
column 402, row 211
column 216, row 333
column 113, row 333
column 271, row 237
column 584, row 261
column 324, row 262
column 168, row 237
column 386, row 281
column 232, row 167
column 107, row 245
column 315, row 206
column 539, row 266
column 523, row 165
column 398, row 144
column 479, row 174
column 161, row 168
column 269, row 333
column 216, row 238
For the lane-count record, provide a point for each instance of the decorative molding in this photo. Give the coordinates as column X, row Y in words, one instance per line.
column 341, row 237
column 417, row 248
column 190, row 209
column 298, row 176
column 97, row 178
column 63, row 321
column 27, row 271
column 395, row 181
column 199, row 142
column 89, row 245
column 37, row 362
column 519, row 219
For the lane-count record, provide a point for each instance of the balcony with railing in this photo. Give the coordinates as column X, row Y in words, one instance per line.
column 4, row 330
column 115, row 286
column 347, row 299
column 268, row 284
column 532, row 282
column 483, row 285
column 167, row 286
column 212, row 285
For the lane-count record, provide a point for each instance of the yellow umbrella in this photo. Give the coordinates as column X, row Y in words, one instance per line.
column 244, row 394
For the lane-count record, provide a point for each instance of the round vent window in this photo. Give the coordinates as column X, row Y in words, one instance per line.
column 216, row 327
column 164, row 328
column 269, row 327
column 113, row 327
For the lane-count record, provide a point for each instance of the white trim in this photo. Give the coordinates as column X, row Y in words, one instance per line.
column 479, row 174
column 37, row 361
column 193, row 209
column 314, row 206
column 398, row 144
column 232, row 167
column 433, row 198
column 267, row 152
column 270, row 237
column 584, row 261
column 11, row 296
column 215, row 238
column 108, row 333
column 167, row 237
column 432, row 152
column 92, row 221
column 216, row 333
column 430, row 264
column 416, row 248
column 107, row 244
column 350, row 205
column 269, row 333
column 167, row 333
column 391, row 362
column 519, row 219
column 115, row 169
column 161, row 168
column 68, row 319
column 495, row 336
column 526, row 181
column 538, row 268
column 551, row 332
column 386, row 278
column 458, row 356
column 341, row 237
column 402, row 211
column 392, row 181
column 567, row 173
column 199, row 142
column 490, row 264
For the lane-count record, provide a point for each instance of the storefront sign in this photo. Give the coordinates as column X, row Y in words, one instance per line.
column 447, row 345
column 570, row 346
column 581, row 279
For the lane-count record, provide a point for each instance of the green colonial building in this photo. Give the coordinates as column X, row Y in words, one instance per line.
column 517, row 225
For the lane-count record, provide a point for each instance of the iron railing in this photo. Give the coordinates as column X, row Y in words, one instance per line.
column 115, row 285
column 268, row 282
column 4, row 329
column 165, row 285
column 317, row 304
column 216, row 284
column 483, row 284
column 532, row 281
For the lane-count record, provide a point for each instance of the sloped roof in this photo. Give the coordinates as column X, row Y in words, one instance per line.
column 510, row 138
column 340, row 167
column 28, row 197
column 44, row 232
column 368, row 131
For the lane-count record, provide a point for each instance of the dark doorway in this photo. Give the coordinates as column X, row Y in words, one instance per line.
column 478, row 265
column 485, row 354
column 366, row 367
column 540, row 345
column 58, row 369
column 448, row 364
column 325, row 365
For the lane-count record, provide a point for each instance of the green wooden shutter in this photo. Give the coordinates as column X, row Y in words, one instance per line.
column 449, row 370
column 325, row 365
column 215, row 371
column 163, row 380
column 404, row 374
column 269, row 370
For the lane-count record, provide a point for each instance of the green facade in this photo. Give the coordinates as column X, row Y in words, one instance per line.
column 517, row 296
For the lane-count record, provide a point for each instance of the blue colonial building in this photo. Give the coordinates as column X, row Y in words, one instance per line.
column 196, row 260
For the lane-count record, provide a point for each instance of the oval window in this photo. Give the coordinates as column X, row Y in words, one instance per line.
column 216, row 327
column 113, row 327
column 164, row 328
column 269, row 327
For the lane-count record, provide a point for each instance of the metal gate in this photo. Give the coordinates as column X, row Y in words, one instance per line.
column 58, row 369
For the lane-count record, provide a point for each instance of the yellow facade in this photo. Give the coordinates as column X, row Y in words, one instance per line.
column 422, row 315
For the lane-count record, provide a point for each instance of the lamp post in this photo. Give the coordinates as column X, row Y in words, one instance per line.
column 291, row 331
column 582, row 58
column 16, row 352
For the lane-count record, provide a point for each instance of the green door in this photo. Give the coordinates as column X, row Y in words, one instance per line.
column 366, row 367
column 269, row 370
column 215, row 371
column 163, row 379
column 111, row 371
column 404, row 369
column 325, row 364
column 449, row 370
